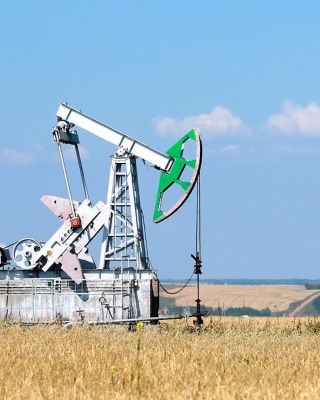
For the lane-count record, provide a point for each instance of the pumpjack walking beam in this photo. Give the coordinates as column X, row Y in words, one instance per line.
column 121, row 140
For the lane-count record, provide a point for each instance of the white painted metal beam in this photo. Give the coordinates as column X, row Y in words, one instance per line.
column 131, row 146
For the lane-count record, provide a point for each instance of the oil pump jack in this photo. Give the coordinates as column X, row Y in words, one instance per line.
column 58, row 279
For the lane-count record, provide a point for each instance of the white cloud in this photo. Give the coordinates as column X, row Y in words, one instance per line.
column 69, row 153
column 229, row 149
column 35, row 154
column 219, row 121
column 12, row 156
column 296, row 119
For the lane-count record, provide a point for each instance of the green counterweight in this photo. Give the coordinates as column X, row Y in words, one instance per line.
column 167, row 179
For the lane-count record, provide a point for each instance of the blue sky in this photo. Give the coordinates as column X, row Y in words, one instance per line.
column 245, row 72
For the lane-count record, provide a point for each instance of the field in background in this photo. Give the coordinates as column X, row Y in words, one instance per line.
column 274, row 297
column 234, row 358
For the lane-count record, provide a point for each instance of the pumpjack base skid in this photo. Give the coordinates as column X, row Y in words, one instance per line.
column 101, row 297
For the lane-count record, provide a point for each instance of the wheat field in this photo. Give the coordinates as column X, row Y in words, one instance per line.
column 232, row 358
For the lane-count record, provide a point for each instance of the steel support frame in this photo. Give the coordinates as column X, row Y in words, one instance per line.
column 123, row 244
